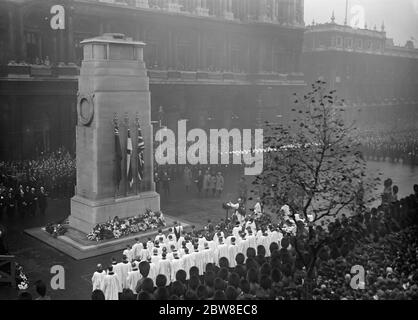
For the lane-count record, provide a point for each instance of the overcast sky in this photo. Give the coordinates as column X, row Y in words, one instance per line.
column 400, row 16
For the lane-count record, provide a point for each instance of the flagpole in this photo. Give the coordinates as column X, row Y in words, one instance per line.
column 117, row 172
column 114, row 123
column 126, row 152
column 137, row 155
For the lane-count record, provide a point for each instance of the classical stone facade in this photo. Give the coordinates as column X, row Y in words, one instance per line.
column 214, row 62
column 367, row 70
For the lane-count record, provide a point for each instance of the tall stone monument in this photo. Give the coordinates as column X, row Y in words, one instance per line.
column 113, row 86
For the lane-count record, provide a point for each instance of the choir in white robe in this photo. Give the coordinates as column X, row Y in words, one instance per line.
column 188, row 263
column 121, row 270
column 190, row 246
column 182, row 252
column 176, row 265
column 221, row 251
column 171, row 245
column 144, row 254
column 228, row 240
column 199, row 261
column 232, row 253
column 158, row 249
column 111, row 287
column 153, row 271
column 252, row 241
column 207, row 256
column 212, row 246
column 132, row 280
column 160, row 237
column 98, row 280
column 155, row 258
column 165, row 269
column 276, row 236
column 117, row 270
column 128, row 253
column 236, row 230
column 201, row 243
column 257, row 209
column 243, row 245
column 252, row 226
column 137, row 250
column 259, row 240
column 265, row 242
column 170, row 256
column 216, row 238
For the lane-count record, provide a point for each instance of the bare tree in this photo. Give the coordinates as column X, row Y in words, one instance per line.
column 315, row 167
column 314, row 164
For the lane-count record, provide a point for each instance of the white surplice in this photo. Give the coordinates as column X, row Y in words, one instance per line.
column 98, row 280
column 132, row 280
column 111, row 287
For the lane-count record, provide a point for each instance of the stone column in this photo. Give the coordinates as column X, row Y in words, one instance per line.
column 223, row 6
column 229, row 6
column 201, row 49
column 274, row 13
column 226, row 56
column 261, row 55
column 121, row 89
column 70, row 37
column 262, row 10
column 12, row 35
column 61, row 46
column 22, row 46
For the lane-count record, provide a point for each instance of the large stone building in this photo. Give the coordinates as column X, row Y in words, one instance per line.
column 367, row 70
column 217, row 63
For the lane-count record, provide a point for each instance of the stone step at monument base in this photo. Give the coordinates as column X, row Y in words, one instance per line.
column 76, row 245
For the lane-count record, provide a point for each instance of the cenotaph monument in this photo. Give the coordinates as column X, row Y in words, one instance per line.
column 113, row 96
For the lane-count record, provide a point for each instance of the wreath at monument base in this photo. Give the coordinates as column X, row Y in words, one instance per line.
column 55, row 229
column 116, row 228
column 22, row 281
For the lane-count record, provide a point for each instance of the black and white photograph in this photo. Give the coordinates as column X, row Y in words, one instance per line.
column 215, row 152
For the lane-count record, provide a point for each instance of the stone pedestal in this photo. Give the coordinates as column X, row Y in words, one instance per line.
column 85, row 213
column 113, row 84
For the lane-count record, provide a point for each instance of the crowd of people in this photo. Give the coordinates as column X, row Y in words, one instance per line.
column 258, row 259
column 54, row 172
column 204, row 181
column 397, row 146
column 25, row 201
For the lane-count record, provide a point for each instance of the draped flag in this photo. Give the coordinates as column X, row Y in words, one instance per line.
column 140, row 153
column 130, row 177
column 118, row 157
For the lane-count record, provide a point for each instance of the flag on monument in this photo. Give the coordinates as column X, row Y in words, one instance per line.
column 118, row 157
column 128, row 160
column 140, row 153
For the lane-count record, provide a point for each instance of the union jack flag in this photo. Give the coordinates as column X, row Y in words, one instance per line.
column 140, row 153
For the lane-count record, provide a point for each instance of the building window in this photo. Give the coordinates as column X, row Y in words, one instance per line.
column 349, row 43
column 368, row 45
column 339, row 41
column 359, row 44
column 33, row 48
